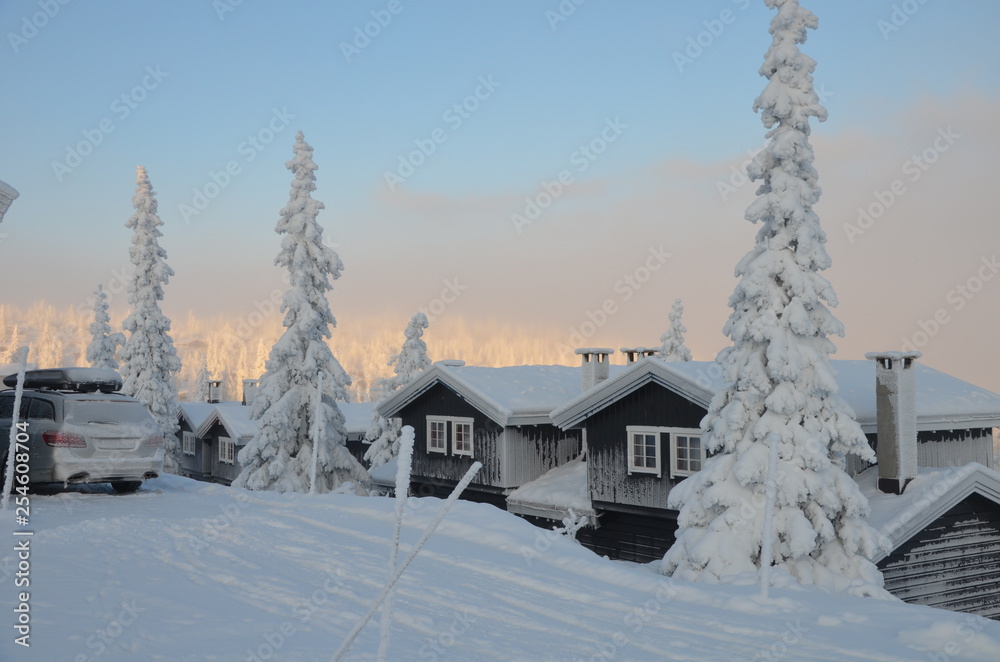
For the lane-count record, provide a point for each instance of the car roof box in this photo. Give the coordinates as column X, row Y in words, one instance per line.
column 69, row 379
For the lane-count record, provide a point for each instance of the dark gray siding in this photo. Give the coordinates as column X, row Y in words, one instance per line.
column 191, row 465
column 511, row 456
column 440, row 400
column 952, row 564
column 223, row 472
column 607, row 446
column 528, row 451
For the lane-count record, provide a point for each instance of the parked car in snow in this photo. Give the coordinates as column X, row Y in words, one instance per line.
column 80, row 430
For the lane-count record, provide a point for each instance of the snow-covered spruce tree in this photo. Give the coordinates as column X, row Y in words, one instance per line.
column 383, row 434
column 673, row 347
column 780, row 376
column 149, row 361
column 10, row 352
column 199, row 389
column 279, row 457
column 104, row 343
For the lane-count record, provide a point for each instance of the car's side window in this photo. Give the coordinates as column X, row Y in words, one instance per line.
column 42, row 410
column 7, row 406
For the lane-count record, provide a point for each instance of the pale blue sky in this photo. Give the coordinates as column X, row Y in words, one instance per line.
column 657, row 183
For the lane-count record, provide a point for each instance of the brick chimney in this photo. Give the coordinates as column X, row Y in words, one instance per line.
column 895, row 396
column 214, row 390
column 250, row 388
column 595, row 364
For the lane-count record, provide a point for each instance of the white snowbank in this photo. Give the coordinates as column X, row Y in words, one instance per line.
column 185, row 571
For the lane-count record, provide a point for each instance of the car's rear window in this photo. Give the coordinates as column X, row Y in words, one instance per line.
column 83, row 411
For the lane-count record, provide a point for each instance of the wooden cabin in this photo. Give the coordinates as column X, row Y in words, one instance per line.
column 642, row 431
column 945, row 533
column 195, row 461
column 498, row 416
column 212, row 435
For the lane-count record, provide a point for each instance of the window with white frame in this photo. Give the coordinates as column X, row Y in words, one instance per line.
column 450, row 432
column 646, row 446
column 187, row 443
column 686, row 453
column 437, row 435
column 461, row 431
column 227, row 450
column 644, row 450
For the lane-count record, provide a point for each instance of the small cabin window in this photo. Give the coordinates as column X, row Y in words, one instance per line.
column 644, row 450
column 437, row 435
column 446, row 433
column 462, row 431
column 647, row 445
column 227, row 450
column 187, row 443
column 686, row 453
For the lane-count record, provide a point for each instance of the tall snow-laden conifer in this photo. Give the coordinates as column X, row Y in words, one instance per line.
column 104, row 343
column 279, row 457
column 412, row 360
column 673, row 347
column 780, row 377
column 149, row 362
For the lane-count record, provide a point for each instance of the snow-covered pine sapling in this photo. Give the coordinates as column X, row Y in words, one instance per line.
column 149, row 361
column 279, row 456
column 672, row 341
column 780, row 376
column 410, row 363
column 104, row 343
column 200, row 390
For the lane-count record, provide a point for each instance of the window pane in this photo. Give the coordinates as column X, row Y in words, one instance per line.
column 7, row 406
column 42, row 410
column 463, row 437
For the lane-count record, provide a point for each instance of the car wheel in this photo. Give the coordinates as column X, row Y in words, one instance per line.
column 126, row 486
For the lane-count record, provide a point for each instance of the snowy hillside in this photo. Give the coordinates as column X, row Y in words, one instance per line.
column 189, row 571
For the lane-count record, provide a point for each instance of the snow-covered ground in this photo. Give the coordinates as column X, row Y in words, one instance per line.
column 185, row 570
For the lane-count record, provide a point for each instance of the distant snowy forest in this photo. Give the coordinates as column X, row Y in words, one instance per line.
column 234, row 351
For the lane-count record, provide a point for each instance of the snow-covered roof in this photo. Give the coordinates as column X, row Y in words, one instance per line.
column 235, row 419
column 384, row 475
column 515, row 395
column 942, row 401
column 697, row 381
column 195, row 413
column 554, row 493
column 930, row 495
column 9, row 190
column 357, row 416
